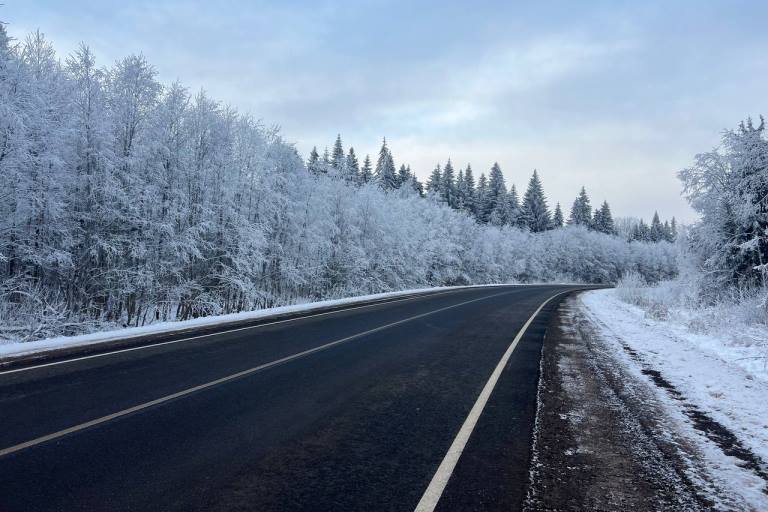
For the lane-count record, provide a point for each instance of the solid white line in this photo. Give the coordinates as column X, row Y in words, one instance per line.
column 159, row 344
column 434, row 491
column 179, row 394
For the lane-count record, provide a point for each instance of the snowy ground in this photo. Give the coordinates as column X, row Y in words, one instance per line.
column 712, row 392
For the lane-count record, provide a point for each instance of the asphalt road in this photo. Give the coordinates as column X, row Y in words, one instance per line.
column 350, row 410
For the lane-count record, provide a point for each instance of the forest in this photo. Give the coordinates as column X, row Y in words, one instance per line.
column 125, row 201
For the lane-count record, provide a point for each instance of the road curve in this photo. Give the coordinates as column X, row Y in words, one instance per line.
column 355, row 409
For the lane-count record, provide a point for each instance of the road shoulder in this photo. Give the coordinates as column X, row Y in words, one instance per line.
column 608, row 437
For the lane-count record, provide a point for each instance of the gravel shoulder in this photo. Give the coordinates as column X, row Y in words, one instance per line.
column 612, row 434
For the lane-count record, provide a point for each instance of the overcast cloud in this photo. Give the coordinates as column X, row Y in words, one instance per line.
column 616, row 96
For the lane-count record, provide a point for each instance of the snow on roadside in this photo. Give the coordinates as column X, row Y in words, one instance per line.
column 14, row 350
column 705, row 372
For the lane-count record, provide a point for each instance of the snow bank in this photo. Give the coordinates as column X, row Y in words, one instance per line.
column 19, row 349
column 716, row 375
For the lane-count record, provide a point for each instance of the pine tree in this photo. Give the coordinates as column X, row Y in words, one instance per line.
column 535, row 211
column 366, row 172
column 415, row 183
column 313, row 163
column 673, row 230
column 337, row 156
column 557, row 219
column 641, row 232
column 434, row 186
column 656, row 233
column 604, row 220
column 352, row 166
column 595, row 220
column 403, row 176
column 448, row 185
column 469, row 190
column 460, row 191
column 581, row 212
column 385, row 168
column 496, row 201
column 514, row 210
column 481, row 200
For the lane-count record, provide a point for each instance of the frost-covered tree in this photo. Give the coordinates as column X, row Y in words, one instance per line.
column 603, row 220
column 481, row 200
column 581, row 211
column 434, row 183
column 366, row 171
column 448, row 185
column 403, row 175
column 729, row 188
column 352, row 167
column 496, row 200
column 657, row 230
column 385, row 171
column 127, row 202
column 515, row 211
column 468, row 191
column 338, row 160
column 313, row 162
column 535, row 212
column 557, row 218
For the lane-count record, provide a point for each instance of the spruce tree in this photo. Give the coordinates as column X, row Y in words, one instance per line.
column 557, row 219
column 596, row 220
column 352, row 166
column 326, row 160
column 313, row 163
column 581, row 212
column 514, row 210
column 605, row 222
column 434, row 186
column 338, row 159
column 385, row 168
column 403, row 176
column 481, row 200
column 643, row 232
column 656, row 233
column 469, row 190
column 415, row 183
column 366, row 172
column 448, row 185
column 460, row 191
column 535, row 211
column 497, row 192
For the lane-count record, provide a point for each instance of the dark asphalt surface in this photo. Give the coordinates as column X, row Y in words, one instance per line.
column 361, row 425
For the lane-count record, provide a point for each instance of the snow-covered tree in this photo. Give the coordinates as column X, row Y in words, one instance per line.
column 729, row 188
column 352, row 167
column 535, row 212
column 581, row 211
column 468, row 191
column 385, row 171
column 434, row 184
column 557, row 218
column 448, row 185
column 366, row 171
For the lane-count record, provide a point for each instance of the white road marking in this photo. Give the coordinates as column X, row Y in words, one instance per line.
column 179, row 394
column 434, row 491
column 159, row 344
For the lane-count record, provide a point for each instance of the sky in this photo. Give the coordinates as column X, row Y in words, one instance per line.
column 615, row 96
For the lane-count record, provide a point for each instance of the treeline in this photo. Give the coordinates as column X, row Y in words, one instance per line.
column 125, row 201
column 488, row 201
